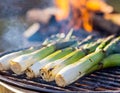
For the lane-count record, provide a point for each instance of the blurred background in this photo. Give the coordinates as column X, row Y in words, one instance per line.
column 25, row 23
column 13, row 22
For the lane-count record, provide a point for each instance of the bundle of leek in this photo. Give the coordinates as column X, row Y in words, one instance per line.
column 33, row 71
column 49, row 71
column 19, row 64
column 78, row 69
column 24, row 61
column 5, row 60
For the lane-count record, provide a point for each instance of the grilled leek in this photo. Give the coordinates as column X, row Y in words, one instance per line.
column 5, row 60
column 78, row 69
column 21, row 63
column 49, row 72
column 33, row 71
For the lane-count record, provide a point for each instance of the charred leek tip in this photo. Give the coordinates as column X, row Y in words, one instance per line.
column 16, row 67
column 44, row 74
column 60, row 81
column 30, row 73
column 1, row 67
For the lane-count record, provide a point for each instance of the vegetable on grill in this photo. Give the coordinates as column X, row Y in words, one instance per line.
column 50, row 70
column 78, row 69
column 111, row 60
column 33, row 71
column 64, row 59
column 21, row 63
column 5, row 60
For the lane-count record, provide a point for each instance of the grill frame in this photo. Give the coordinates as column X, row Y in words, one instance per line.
column 103, row 80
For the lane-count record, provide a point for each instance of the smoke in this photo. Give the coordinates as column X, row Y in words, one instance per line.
column 13, row 25
column 9, row 8
column 12, row 36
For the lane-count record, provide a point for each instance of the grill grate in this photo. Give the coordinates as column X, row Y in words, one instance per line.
column 104, row 80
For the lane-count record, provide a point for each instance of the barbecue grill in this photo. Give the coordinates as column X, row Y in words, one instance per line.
column 103, row 80
column 107, row 80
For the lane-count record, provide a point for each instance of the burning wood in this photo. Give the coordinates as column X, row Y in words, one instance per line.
column 82, row 11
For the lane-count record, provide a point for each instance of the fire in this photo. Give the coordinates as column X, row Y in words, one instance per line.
column 63, row 5
column 82, row 11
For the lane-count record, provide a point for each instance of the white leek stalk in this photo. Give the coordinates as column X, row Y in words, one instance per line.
column 43, row 70
column 21, row 63
column 51, row 69
column 73, row 72
column 5, row 60
column 80, row 68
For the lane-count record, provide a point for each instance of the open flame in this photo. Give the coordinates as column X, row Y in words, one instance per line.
column 82, row 11
column 63, row 5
